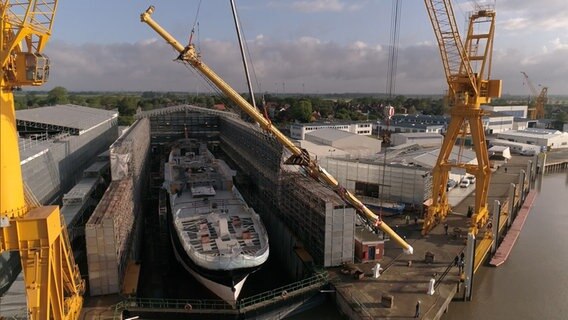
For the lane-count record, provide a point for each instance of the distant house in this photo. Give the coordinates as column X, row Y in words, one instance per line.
column 220, row 107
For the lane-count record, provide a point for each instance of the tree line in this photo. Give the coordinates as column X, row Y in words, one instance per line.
column 283, row 109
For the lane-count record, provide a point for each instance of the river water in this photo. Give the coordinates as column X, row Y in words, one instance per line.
column 533, row 283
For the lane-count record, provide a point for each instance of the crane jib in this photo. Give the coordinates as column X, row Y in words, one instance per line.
column 299, row 156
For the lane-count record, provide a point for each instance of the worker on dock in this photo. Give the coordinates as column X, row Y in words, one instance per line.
column 417, row 312
column 461, row 262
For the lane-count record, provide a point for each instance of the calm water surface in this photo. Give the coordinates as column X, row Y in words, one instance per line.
column 533, row 283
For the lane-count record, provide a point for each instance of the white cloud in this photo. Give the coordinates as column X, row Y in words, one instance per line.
column 324, row 5
column 322, row 66
column 534, row 16
column 558, row 44
column 515, row 24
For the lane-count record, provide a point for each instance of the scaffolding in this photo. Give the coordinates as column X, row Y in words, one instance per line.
column 113, row 232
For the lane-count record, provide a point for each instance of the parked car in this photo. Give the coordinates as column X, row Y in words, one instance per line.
column 471, row 179
column 528, row 152
column 464, row 183
column 452, row 184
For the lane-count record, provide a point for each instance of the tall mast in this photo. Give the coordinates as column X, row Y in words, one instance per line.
column 243, row 55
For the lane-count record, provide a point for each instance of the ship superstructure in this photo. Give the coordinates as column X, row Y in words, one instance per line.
column 216, row 236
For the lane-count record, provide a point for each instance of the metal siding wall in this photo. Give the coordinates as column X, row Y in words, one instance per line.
column 402, row 184
column 298, row 199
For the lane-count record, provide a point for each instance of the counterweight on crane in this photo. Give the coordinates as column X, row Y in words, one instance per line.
column 537, row 110
column 299, row 156
column 467, row 68
column 53, row 283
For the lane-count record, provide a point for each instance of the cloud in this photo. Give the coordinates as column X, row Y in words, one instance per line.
column 310, row 63
column 535, row 16
column 323, row 5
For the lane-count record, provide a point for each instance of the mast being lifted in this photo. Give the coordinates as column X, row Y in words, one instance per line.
column 243, row 55
column 299, row 156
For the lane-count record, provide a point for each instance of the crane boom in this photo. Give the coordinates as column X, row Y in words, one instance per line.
column 54, row 286
column 467, row 68
column 536, row 112
column 299, row 156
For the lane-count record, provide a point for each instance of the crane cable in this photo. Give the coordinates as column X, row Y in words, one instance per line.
column 195, row 22
column 246, row 48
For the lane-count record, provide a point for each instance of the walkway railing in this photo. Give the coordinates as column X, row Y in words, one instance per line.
column 187, row 305
column 39, row 139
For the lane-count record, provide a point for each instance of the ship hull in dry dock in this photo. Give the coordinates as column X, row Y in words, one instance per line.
column 226, row 284
column 215, row 235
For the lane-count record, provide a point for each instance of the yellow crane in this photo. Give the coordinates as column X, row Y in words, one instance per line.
column 537, row 110
column 299, row 156
column 467, row 68
column 53, row 283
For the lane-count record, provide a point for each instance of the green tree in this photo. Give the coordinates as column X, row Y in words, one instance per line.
column 31, row 99
column 301, row 111
column 77, row 99
column 57, row 95
column 560, row 119
column 127, row 106
column 324, row 107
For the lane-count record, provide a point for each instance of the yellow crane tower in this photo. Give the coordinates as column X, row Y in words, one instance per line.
column 467, row 68
column 536, row 111
column 299, row 156
column 53, row 283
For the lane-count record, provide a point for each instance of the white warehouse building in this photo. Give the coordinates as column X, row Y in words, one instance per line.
column 496, row 122
column 354, row 145
column 405, row 178
column 424, row 139
column 515, row 111
column 298, row 131
column 550, row 139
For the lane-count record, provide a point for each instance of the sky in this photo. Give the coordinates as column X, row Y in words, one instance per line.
column 295, row 46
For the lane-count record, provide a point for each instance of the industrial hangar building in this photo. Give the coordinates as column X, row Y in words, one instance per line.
column 405, row 172
column 544, row 138
column 423, row 139
column 56, row 144
column 298, row 131
column 515, row 111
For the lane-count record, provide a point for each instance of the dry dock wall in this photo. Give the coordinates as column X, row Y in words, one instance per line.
column 284, row 199
column 113, row 231
column 315, row 218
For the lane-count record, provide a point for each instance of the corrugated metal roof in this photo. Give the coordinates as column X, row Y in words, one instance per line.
column 419, row 134
column 330, row 123
column 69, row 116
column 330, row 134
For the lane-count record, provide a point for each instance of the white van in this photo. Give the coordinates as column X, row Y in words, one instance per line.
column 464, row 183
column 528, row 152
